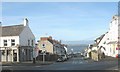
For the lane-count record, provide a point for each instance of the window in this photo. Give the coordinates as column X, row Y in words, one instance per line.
column 28, row 42
column 43, row 45
column 104, row 42
column 3, row 52
column 12, row 42
column 5, row 42
column 32, row 42
column 8, row 52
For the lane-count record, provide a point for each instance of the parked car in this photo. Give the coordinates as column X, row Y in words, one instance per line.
column 68, row 57
column 64, row 57
column 60, row 59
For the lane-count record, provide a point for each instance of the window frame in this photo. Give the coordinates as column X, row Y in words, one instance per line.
column 5, row 43
column 12, row 42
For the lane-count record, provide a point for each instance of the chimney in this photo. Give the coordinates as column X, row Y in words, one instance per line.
column 25, row 22
column 44, row 38
column 50, row 37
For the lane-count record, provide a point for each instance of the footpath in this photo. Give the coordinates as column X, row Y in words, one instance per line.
column 28, row 63
column 107, row 58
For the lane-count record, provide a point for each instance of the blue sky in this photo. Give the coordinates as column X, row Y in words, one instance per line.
column 63, row 20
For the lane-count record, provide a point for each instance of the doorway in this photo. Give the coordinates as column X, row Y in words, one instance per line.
column 14, row 55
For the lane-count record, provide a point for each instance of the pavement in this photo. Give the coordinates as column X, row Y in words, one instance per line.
column 28, row 63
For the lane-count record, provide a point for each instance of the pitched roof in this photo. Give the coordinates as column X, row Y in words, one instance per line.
column 14, row 30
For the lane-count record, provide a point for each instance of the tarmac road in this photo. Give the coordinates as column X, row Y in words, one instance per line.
column 72, row 64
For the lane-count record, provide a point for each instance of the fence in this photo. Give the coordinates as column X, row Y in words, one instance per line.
column 48, row 57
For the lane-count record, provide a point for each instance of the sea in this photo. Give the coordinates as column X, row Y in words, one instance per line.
column 76, row 48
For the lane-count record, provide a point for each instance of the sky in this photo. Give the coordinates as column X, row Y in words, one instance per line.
column 67, row 21
column 60, row 1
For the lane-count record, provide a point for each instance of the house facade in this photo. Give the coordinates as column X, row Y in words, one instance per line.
column 113, row 34
column 101, row 43
column 17, row 43
column 51, row 46
column 108, row 43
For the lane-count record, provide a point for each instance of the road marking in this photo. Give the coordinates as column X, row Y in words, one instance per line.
column 19, row 66
column 115, row 69
column 37, row 66
column 6, row 66
column 77, row 62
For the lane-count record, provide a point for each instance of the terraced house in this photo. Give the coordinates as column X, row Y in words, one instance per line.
column 16, row 43
column 51, row 46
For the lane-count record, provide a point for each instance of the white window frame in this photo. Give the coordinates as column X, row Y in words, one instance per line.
column 5, row 43
column 12, row 42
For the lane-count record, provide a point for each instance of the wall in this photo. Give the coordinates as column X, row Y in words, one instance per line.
column 104, row 44
column 113, row 36
column 25, row 36
column 8, row 38
column 48, row 46
column 94, row 56
column 58, row 49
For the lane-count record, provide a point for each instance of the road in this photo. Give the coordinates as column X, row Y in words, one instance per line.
column 72, row 64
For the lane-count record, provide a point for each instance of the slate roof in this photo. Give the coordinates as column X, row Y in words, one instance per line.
column 14, row 30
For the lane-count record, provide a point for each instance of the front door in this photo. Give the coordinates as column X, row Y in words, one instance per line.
column 14, row 55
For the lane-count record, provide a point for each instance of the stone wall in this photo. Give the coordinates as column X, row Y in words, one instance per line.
column 97, row 56
column 94, row 55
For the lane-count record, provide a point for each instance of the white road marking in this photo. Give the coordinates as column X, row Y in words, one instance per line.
column 19, row 66
column 6, row 66
column 37, row 66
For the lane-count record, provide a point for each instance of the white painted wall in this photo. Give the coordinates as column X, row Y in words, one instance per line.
column 94, row 48
column 25, row 36
column 113, row 36
column 113, row 32
column 8, row 38
column 104, row 44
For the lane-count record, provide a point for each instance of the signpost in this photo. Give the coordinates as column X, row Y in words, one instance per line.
column 44, row 53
